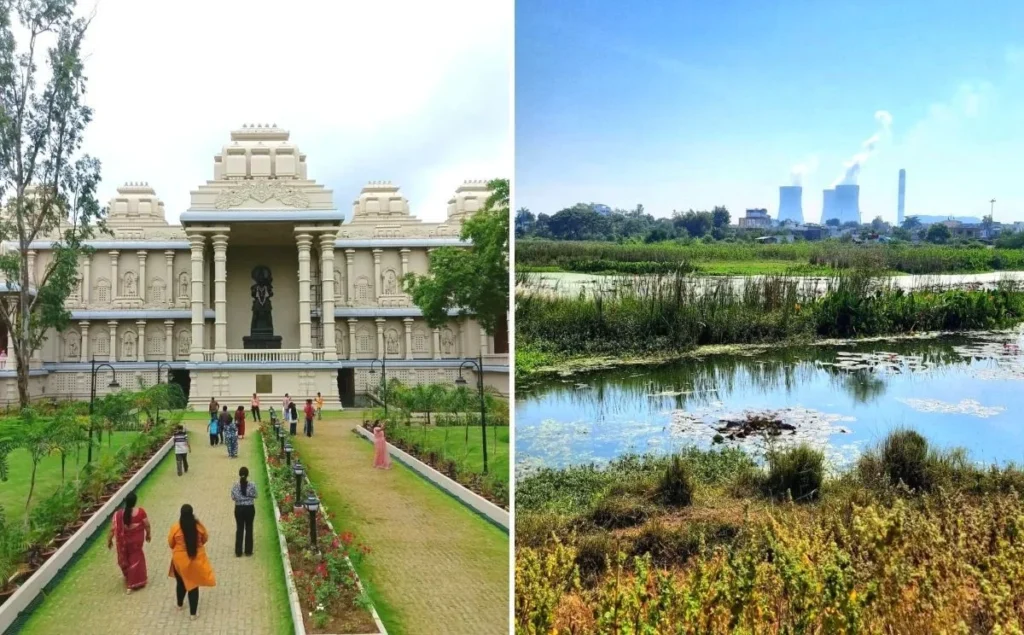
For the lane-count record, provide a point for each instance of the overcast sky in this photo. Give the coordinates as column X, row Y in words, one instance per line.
column 417, row 93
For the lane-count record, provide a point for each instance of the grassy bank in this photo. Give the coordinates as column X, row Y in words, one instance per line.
column 808, row 258
column 679, row 313
column 911, row 540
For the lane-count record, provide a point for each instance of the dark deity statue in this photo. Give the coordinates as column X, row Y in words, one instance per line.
column 261, row 331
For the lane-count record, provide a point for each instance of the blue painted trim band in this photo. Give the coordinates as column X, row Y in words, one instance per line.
column 262, row 216
column 374, row 243
column 140, row 314
column 178, row 245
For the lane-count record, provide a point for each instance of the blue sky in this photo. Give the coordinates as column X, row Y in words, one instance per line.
column 680, row 105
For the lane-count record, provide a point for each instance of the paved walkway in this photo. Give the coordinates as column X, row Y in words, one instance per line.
column 435, row 566
column 249, row 597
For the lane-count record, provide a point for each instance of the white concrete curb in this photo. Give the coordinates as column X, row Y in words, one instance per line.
column 32, row 587
column 468, row 497
column 293, row 596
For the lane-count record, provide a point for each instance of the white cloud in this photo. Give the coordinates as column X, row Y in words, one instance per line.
column 415, row 93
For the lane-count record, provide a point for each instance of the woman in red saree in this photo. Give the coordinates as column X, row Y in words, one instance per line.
column 129, row 530
column 381, row 460
column 240, row 421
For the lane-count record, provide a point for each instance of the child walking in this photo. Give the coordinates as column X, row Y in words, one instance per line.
column 181, row 449
column 309, row 412
column 214, row 429
column 319, row 406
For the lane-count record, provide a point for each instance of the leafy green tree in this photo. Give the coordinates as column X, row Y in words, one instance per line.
column 911, row 223
column 833, row 222
column 47, row 191
column 472, row 280
column 720, row 217
column 939, row 234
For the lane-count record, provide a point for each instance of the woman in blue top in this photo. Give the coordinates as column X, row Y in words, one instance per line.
column 214, row 429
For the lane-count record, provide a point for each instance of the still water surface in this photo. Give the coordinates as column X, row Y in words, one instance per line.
column 957, row 391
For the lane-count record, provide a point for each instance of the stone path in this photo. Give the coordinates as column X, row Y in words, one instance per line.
column 435, row 566
column 250, row 596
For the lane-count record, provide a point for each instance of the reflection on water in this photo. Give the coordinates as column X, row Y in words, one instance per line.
column 958, row 391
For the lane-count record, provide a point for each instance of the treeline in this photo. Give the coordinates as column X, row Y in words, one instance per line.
column 585, row 221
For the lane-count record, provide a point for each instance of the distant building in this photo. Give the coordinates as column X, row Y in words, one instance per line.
column 791, row 207
column 603, row 210
column 756, row 219
column 901, row 198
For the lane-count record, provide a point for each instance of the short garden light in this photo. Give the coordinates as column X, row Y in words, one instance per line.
column 298, row 470
column 312, row 506
column 288, row 453
column 280, row 437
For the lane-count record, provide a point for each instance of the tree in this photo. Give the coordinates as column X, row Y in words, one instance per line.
column 878, row 225
column 833, row 222
column 525, row 222
column 720, row 217
column 938, row 233
column 472, row 280
column 45, row 192
column 911, row 223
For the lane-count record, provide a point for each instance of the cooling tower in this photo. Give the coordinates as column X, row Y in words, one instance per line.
column 791, row 205
column 901, row 199
column 847, row 203
column 828, row 206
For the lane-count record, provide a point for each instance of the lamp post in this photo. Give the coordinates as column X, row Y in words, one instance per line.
column 479, row 366
column 160, row 364
column 383, row 378
column 298, row 470
column 312, row 506
column 92, row 397
column 280, row 437
column 288, row 453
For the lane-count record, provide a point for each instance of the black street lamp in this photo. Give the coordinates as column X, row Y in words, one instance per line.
column 160, row 364
column 383, row 378
column 280, row 437
column 92, row 397
column 312, row 506
column 288, row 452
column 479, row 365
column 298, row 471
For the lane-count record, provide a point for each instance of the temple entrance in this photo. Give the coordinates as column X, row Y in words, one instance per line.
column 180, row 377
column 261, row 330
column 347, row 387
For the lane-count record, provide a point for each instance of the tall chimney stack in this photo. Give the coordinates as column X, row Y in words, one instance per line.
column 900, row 209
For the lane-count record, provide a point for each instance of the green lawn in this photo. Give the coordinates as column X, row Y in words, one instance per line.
column 48, row 478
column 451, row 443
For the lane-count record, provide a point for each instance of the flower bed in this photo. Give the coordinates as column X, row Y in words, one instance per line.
column 490, row 488
column 331, row 596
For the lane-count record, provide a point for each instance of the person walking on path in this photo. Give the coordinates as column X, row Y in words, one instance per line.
column 130, row 530
column 214, row 429
column 214, row 409
column 240, row 421
column 254, row 403
column 244, row 494
column 230, row 434
column 309, row 412
column 293, row 418
column 223, row 419
column 381, row 458
column 181, row 449
column 319, row 406
column 190, row 567
column 286, row 402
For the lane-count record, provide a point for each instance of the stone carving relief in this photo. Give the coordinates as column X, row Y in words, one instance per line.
column 101, row 342
column 341, row 339
column 447, row 341
column 155, row 343
column 391, row 343
column 128, row 342
column 261, row 191
column 339, row 284
column 183, row 282
column 72, row 346
column 103, row 290
column 184, row 342
column 76, row 291
column 390, row 282
column 363, row 340
column 129, row 285
column 362, row 289
column 419, row 341
column 158, row 291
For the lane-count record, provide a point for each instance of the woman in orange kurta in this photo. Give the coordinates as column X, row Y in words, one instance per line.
column 189, row 565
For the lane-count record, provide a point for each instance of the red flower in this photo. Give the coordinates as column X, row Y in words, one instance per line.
column 365, row 549
column 347, row 538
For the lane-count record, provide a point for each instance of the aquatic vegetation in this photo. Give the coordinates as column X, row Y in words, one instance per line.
column 757, row 430
column 965, row 406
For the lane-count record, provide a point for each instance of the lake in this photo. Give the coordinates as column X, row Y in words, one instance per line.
column 965, row 391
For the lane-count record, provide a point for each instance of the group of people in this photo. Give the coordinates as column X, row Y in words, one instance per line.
column 190, row 567
column 227, row 428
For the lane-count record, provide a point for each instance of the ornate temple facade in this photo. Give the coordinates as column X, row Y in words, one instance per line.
column 264, row 287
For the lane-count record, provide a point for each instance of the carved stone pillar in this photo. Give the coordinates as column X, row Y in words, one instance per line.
column 32, row 267
column 305, row 241
column 405, row 262
column 169, row 340
column 220, row 297
column 408, row 337
column 327, row 294
column 171, row 287
column 380, row 338
column 112, row 325
column 115, row 283
column 142, row 278
column 377, row 282
column 141, row 327
column 350, row 276
column 437, row 343
column 352, row 338
column 86, row 280
column 198, row 244
column 84, row 325
column 483, row 340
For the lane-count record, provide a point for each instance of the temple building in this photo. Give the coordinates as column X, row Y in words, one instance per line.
column 265, row 287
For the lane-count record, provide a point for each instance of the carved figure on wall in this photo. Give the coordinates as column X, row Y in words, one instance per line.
column 129, row 284
column 391, row 342
column 128, row 345
column 77, row 291
column 390, row 282
column 72, row 349
column 183, row 281
column 447, row 342
column 184, row 342
column 261, row 330
column 341, row 339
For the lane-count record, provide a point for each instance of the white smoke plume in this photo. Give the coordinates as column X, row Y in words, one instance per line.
column 852, row 167
column 800, row 170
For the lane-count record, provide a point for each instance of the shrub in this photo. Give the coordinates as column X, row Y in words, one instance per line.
column 904, row 455
column 676, row 487
column 618, row 512
column 593, row 552
column 798, row 471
